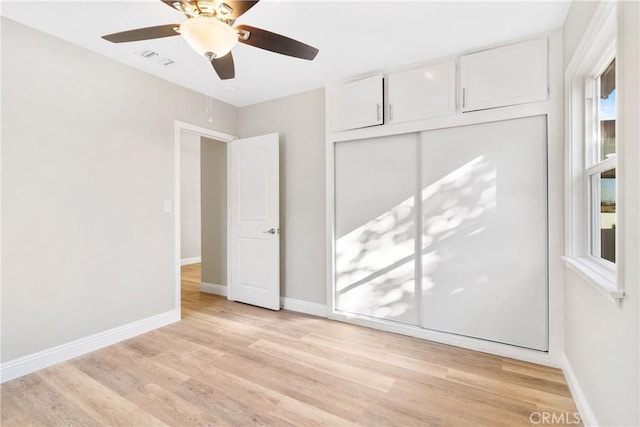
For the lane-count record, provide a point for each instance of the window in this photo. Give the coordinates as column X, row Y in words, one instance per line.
column 593, row 189
column 600, row 164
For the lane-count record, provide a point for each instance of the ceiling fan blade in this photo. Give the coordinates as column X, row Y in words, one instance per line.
column 277, row 43
column 224, row 67
column 240, row 6
column 170, row 4
column 143, row 34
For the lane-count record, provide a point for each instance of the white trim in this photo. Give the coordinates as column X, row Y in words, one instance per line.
column 180, row 127
column 301, row 306
column 586, row 413
column 188, row 261
column 33, row 362
column 213, row 288
column 603, row 280
column 291, row 304
column 229, row 222
column 593, row 38
column 330, row 212
column 595, row 50
column 200, row 131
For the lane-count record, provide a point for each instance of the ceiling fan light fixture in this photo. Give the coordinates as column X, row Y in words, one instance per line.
column 209, row 37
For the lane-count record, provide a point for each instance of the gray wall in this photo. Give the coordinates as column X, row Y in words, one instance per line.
column 87, row 161
column 601, row 339
column 189, row 195
column 213, row 157
column 299, row 119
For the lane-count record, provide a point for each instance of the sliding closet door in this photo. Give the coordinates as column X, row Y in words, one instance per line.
column 375, row 226
column 484, row 231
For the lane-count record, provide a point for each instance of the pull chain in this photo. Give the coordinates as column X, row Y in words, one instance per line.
column 209, row 108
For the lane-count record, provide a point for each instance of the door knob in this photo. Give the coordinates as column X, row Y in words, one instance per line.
column 271, row 231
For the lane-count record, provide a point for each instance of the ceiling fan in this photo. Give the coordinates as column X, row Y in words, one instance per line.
column 209, row 31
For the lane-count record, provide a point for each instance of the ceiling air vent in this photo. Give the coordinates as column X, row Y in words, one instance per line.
column 155, row 57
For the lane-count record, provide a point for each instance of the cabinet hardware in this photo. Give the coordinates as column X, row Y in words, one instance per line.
column 378, row 112
column 464, row 97
column 390, row 111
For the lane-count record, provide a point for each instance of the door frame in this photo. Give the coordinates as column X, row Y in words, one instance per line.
column 179, row 128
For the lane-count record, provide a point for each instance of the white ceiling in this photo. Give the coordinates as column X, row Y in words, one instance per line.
column 354, row 37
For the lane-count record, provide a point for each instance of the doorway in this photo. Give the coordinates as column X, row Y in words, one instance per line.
column 200, row 209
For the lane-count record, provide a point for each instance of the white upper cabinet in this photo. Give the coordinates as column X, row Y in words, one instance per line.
column 510, row 75
column 422, row 93
column 356, row 105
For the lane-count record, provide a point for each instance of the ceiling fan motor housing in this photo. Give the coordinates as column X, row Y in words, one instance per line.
column 209, row 36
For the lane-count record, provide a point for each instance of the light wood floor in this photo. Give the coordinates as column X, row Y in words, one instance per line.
column 227, row 363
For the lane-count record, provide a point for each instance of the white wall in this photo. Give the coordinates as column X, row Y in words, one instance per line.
column 574, row 26
column 189, row 197
column 87, row 161
column 299, row 119
column 602, row 339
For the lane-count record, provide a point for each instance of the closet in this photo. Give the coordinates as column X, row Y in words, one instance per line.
column 447, row 230
column 438, row 199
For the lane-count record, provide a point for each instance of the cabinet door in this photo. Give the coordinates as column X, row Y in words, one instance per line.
column 510, row 75
column 422, row 93
column 356, row 105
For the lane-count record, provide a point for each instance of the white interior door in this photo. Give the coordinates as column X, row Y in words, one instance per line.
column 255, row 229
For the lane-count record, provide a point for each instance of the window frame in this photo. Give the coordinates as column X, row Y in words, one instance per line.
column 596, row 50
column 593, row 166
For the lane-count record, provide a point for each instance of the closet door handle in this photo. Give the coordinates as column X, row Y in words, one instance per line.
column 378, row 112
column 464, row 97
column 390, row 112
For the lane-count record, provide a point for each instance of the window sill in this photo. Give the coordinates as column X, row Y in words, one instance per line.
column 601, row 279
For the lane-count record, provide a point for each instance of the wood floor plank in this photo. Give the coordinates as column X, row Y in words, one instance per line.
column 327, row 392
column 443, row 398
column 301, row 414
column 383, row 356
column 172, row 409
column 234, row 364
column 20, row 420
column 145, row 368
column 106, row 370
column 366, row 378
column 534, row 371
column 517, row 391
column 227, row 382
column 97, row 400
column 46, row 406
column 233, row 411
column 11, row 408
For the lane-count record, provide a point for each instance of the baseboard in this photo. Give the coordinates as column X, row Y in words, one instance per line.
column 286, row 303
column 187, row 261
column 586, row 413
column 43, row 359
column 301, row 306
column 212, row 288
